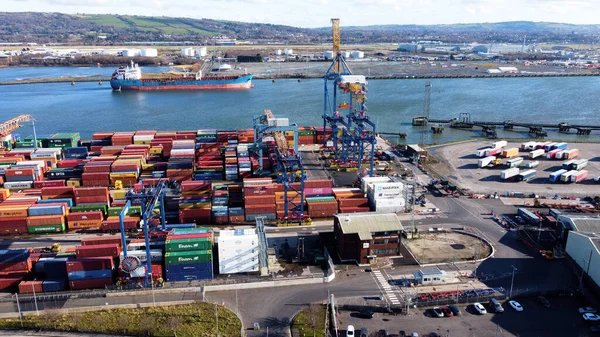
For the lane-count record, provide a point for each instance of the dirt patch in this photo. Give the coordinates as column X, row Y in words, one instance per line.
column 445, row 247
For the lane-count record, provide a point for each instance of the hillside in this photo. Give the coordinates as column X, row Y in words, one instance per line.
column 101, row 29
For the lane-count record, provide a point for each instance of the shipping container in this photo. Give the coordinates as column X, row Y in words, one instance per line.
column 555, row 176
column 526, row 175
column 559, row 146
column 514, row 162
column 509, row 173
column 529, row 216
column 500, row 143
column 579, row 164
column 493, row 152
column 509, row 153
column 91, row 263
column 552, row 154
column 536, row 153
column 172, row 245
column 566, row 178
column 111, row 249
column 54, row 285
column 570, row 154
column 532, row 164
column 528, row 146
column 484, row 162
column 90, row 274
column 188, row 257
column 29, row 287
column 567, row 164
column 90, row 283
column 549, row 147
column 579, row 176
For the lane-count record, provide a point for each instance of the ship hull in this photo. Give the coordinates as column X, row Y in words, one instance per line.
column 214, row 83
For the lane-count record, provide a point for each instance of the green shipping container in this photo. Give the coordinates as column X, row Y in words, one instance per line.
column 46, row 229
column 133, row 210
column 90, row 208
column 197, row 230
column 188, row 257
column 319, row 199
column 188, row 245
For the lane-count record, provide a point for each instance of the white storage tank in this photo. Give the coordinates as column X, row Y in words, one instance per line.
column 346, row 54
column 201, row 52
column 278, row 52
column 357, row 54
column 187, row 52
column 130, row 52
column 288, row 51
column 238, row 251
column 149, row 52
column 328, row 54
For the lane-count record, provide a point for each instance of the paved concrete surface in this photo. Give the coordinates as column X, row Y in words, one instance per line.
column 459, row 163
column 535, row 321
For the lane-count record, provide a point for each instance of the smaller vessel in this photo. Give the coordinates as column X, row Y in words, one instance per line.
column 130, row 78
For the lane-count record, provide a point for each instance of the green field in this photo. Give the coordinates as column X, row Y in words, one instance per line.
column 159, row 24
column 304, row 322
column 196, row 319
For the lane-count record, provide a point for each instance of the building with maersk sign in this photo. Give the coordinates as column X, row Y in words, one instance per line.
column 238, row 251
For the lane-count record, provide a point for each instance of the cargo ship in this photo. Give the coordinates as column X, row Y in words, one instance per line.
column 130, row 78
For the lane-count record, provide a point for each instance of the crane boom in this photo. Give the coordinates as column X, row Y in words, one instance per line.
column 8, row 127
column 335, row 31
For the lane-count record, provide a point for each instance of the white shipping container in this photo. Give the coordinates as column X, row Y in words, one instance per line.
column 536, row 153
column 385, row 190
column 17, row 185
column 394, row 202
column 509, row 173
column 481, row 153
column 365, row 181
column 238, row 251
column 528, row 146
column 500, row 143
column 483, row 162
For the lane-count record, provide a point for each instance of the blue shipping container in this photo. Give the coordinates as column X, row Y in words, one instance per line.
column 236, row 211
column 50, row 201
column 90, row 274
column 14, row 255
column 54, row 285
column 56, row 269
column 36, row 210
column 188, row 267
column 180, row 225
column 180, row 277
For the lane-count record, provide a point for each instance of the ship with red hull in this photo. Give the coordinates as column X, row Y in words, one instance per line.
column 130, row 78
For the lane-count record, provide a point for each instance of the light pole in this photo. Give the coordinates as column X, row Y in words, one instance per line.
column 512, row 280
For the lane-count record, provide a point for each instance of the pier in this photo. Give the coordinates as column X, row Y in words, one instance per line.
column 489, row 127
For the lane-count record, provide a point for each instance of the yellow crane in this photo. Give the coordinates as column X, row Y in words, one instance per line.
column 335, row 32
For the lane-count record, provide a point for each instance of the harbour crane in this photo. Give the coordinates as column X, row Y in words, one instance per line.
column 350, row 134
column 16, row 123
column 288, row 164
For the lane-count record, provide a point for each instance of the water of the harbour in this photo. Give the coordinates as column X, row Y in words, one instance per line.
column 90, row 107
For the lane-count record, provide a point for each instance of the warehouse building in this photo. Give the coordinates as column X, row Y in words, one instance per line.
column 362, row 237
column 577, row 223
column 583, row 251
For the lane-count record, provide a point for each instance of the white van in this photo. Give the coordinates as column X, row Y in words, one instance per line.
column 350, row 331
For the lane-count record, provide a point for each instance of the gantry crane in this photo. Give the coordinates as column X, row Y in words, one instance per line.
column 288, row 164
column 352, row 132
column 16, row 123
column 148, row 197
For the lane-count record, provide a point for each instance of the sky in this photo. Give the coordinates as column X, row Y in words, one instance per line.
column 317, row 13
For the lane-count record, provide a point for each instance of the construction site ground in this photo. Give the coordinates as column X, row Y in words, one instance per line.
column 447, row 246
column 458, row 163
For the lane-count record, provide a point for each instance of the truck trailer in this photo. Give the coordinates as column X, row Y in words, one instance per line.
column 500, row 143
column 483, row 162
column 536, row 153
column 579, row 176
column 509, row 173
column 526, row 175
column 555, row 176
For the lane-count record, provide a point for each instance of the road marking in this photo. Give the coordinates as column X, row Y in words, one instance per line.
column 385, row 286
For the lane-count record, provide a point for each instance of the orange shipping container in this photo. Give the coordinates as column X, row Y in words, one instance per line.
column 13, row 211
column 43, row 220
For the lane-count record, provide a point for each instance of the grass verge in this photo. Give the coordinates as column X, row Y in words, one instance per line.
column 197, row 319
column 314, row 315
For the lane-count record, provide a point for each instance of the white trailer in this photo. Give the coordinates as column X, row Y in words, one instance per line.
column 483, row 162
column 509, row 173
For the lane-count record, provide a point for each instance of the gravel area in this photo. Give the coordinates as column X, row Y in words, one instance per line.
column 445, row 247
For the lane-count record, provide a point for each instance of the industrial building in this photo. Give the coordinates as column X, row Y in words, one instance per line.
column 429, row 276
column 364, row 237
column 582, row 250
column 577, row 223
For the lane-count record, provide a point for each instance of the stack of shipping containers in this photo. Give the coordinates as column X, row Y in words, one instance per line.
column 195, row 202
column 14, row 265
column 259, row 198
column 238, row 251
column 188, row 255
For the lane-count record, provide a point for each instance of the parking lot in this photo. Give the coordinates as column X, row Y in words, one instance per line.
column 458, row 162
column 562, row 319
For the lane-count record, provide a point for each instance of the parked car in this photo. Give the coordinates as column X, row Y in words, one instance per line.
column 414, row 334
column 365, row 314
column 494, row 304
column 590, row 317
column 438, row 312
column 479, row 308
column 544, row 301
column 350, row 331
column 586, row 310
column 364, row 332
column 515, row 305
column 402, row 333
column 455, row 309
column 447, row 312
column 595, row 328
column 382, row 333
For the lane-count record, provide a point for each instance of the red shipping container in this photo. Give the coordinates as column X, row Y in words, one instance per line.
column 69, row 163
column 79, row 216
column 91, row 191
column 260, row 209
column 19, row 172
column 90, row 263
column 353, row 202
column 108, row 239
column 92, row 199
column 97, row 167
column 111, row 249
column 259, row 200
column 28, row 287
column 157, row 270
column 13, row 226
column 48, row 183
column 260, row 190
column 312, row 191
column 6, row 283
column 318, row 183
column 90, row 284
column 129, row 223
column 58, row 190
column 44, row 220
column 20, row 266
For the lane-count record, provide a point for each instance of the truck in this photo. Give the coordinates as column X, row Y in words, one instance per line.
column 570, row 154
column 567, row 164
column 559, row 146
column 526, row 175
column 560, row 154
column 528, row 146
column 548, row 147
column 536, row 153
column 500, row 143
column 514, row 162
column 493, row 152
column 579, row 176
column 541, row 145
column 529, row 216
column 531, row 164
column 509, row 153
column 481, row 153
column 566, row 178
column 483, row 162
column 509, row 173
column 555, row 176
column 579, row 164
column 552, row 154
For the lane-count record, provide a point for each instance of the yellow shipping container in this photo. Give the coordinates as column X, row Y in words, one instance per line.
column 509, row 153
column 118, row 194
column 74, row 182
column 156, row 150
column 123, row 175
